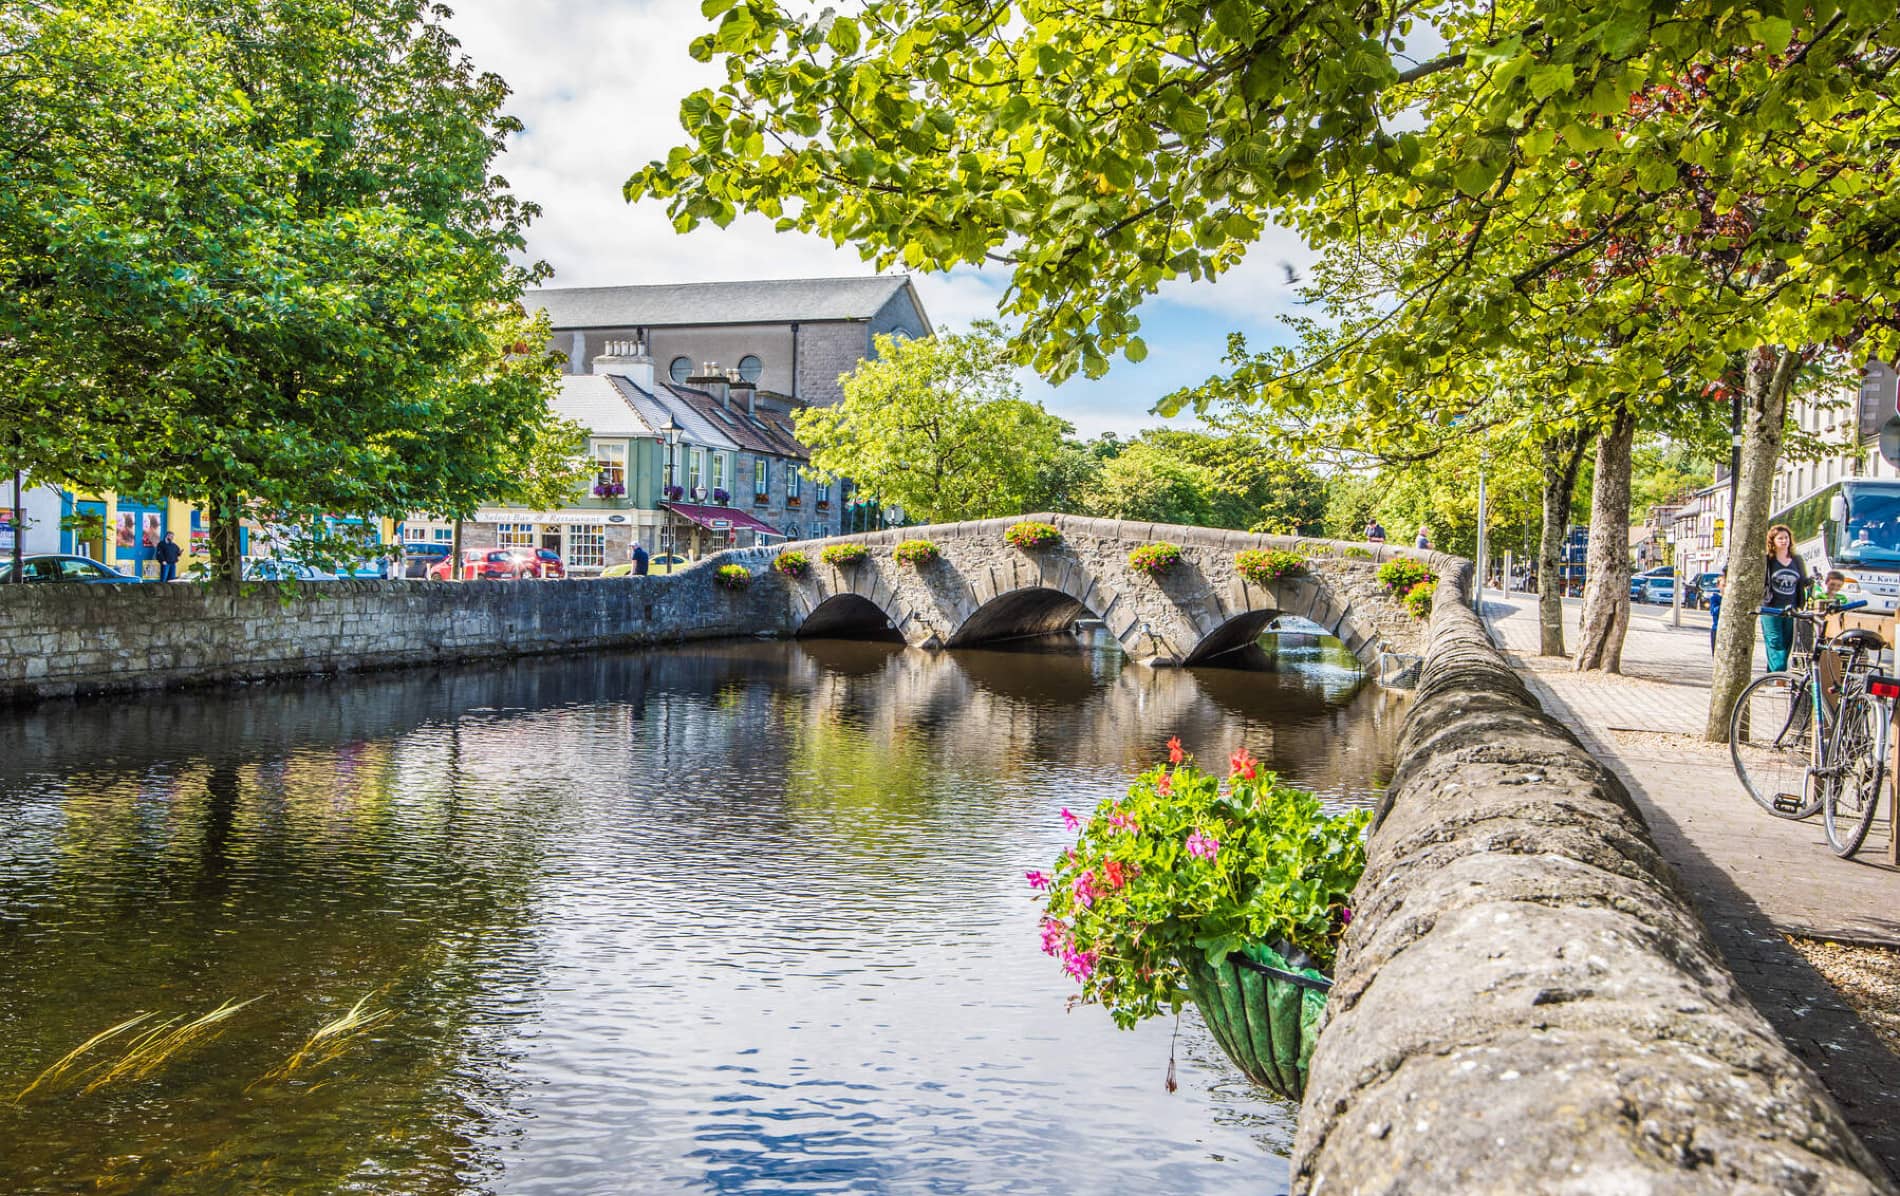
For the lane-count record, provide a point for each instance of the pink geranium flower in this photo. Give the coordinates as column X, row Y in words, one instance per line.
column 1084, row 889
column 1069, row 819
column 1201, row 846
column 1039, row 880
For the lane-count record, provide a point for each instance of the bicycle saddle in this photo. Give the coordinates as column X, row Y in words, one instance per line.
column 1860, row 637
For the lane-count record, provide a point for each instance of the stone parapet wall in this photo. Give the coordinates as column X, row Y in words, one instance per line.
column 60, row 640
column 1526, row 1001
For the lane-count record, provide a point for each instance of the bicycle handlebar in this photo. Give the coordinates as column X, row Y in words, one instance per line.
column 1796, row 612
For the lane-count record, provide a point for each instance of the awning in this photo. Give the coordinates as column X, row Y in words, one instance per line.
column 721, row 519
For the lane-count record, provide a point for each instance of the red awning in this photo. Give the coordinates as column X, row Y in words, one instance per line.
column 720, row 519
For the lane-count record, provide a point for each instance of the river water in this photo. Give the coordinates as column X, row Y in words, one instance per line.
column 733, row 918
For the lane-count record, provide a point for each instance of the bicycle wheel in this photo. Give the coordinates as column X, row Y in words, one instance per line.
column 1852, row 799
column 1771, row 740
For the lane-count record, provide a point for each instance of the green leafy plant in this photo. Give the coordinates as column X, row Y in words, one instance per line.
column 1190, row 865
column 916, row 552
column 1355, row 553
column 794, row 564
column 733, row 577
column 842, row 555
column 1154, row 559
column 1262, row 565
column 1031, row 534
column 1418, row 599
column 1400, row 576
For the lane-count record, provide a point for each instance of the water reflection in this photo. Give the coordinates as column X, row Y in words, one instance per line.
column 740, row 917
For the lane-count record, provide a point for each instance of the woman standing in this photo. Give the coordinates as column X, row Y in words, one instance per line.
column 1787, row 575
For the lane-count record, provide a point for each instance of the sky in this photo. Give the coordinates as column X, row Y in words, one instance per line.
column 598, row 85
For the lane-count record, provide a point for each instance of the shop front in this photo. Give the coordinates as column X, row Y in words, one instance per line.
column 695, row 530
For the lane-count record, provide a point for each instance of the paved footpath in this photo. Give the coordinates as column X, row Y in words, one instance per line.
column 1755, row 878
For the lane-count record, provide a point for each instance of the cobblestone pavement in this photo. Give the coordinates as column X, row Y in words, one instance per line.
column 1755, row 878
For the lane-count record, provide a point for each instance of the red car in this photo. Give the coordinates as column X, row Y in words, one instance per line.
column 491, row 564
column 548, row 564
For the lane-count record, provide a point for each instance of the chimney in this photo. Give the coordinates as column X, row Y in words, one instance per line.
column 748, row 391
column 629, row 360
column 714, row 383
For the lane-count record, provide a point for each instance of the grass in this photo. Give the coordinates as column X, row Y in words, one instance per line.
column 52, row 1074
column 329, row 1041
column 160, row 1044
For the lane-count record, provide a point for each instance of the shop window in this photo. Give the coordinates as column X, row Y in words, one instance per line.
column 514, row 535
column 586, row 545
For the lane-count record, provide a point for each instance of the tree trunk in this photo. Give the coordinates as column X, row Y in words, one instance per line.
column 455, row 551
column 1764, row 413
column 225, row 519
column 1606, row 590
column 1563, row 457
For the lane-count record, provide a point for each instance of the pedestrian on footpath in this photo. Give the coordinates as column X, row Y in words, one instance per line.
column 640, row 559
column 1787, row 577
column 1374, row 533
column 1715, row 606
column 168, row 553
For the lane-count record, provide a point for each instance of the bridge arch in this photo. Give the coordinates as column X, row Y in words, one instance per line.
column 848, row 616
column 1031, row 610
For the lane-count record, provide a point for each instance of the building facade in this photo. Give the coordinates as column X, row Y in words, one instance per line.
column 790, row 337
column 1850, row 424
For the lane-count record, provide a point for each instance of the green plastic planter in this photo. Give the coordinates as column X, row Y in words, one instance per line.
column 1266, row 1022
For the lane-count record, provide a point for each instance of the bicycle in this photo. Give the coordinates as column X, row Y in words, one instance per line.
column 1784, row 728
column 1852, row 793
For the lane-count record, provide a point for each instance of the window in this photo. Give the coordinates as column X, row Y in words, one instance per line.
column 824, row 493
column 750, row 368
column 586, row 545
column 514, row 535
column 695, row 468
column 719, row 471
column 610, row 462
column 680, row 369
column 761, row 479
column 791, row 485
column 791, row 531
column 442, row 535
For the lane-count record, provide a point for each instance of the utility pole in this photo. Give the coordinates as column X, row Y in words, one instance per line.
column 1477, row 591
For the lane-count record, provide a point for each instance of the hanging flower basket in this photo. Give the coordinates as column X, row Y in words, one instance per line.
column 1031, row 534
column 844, row 555
column 915, row 552
column 1262, row 1011
column 1261, row 566
column 721, row 497
column 1154, row 559
column 675, row 493
column 1233, row 894
column 793, row 564
column 733, row 577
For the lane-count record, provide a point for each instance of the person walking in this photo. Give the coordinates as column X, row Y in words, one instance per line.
column 1374, row 533
column 168, row 553
column 1424, row 539
column 1715, row 606
column 640, row 559
column 1787, row 578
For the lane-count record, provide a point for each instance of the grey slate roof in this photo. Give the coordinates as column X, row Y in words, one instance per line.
column 775, row 301
column 594, row 402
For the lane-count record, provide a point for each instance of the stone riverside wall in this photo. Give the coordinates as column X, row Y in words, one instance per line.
column 1526, row 1001
column 60, row 640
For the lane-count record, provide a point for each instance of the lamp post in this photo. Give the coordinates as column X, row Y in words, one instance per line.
column 670, row 433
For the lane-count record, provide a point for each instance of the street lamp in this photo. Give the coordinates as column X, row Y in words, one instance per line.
column 670, row 433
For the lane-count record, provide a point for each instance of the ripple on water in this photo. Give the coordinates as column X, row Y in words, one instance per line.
column 738, row 918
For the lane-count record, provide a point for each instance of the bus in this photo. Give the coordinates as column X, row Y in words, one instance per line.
column 1854, row 526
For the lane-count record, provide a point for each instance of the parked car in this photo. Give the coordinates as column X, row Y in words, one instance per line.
column 421, row 556
column 57, row 567
column 1700, row 587
column 1660, row 589
column 489, row 564
column 1639, row 584
column 265, row 569
column 658, row 564
column 548, row 564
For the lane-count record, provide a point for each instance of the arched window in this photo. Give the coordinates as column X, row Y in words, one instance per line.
column 791, row 531
column 750, row 368
column 680, row 370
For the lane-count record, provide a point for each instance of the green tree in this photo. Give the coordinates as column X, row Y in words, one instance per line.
column 303, row 301
column 1152, row 483
column 939, row 427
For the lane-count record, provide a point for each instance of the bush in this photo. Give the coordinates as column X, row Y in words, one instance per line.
column 1154, row 559
column 1418, row 599
column 1355, row 553
column 1180, row 866
column 733, row 577
column 1261, row 566
column 1031, row 534
column 792, row 564
column 1398, row 577
column 841, row 555
column 915, row 552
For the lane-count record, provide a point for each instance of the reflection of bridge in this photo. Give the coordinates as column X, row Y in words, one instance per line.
column 982, row 590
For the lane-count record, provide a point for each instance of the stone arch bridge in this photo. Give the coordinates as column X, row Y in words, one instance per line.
column 982, row 590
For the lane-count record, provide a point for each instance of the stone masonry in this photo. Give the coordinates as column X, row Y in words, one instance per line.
column 58, row 640
column 1526, row 1001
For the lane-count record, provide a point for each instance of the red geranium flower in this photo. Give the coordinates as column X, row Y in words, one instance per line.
column 1244, row 765
column 1175, row 754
